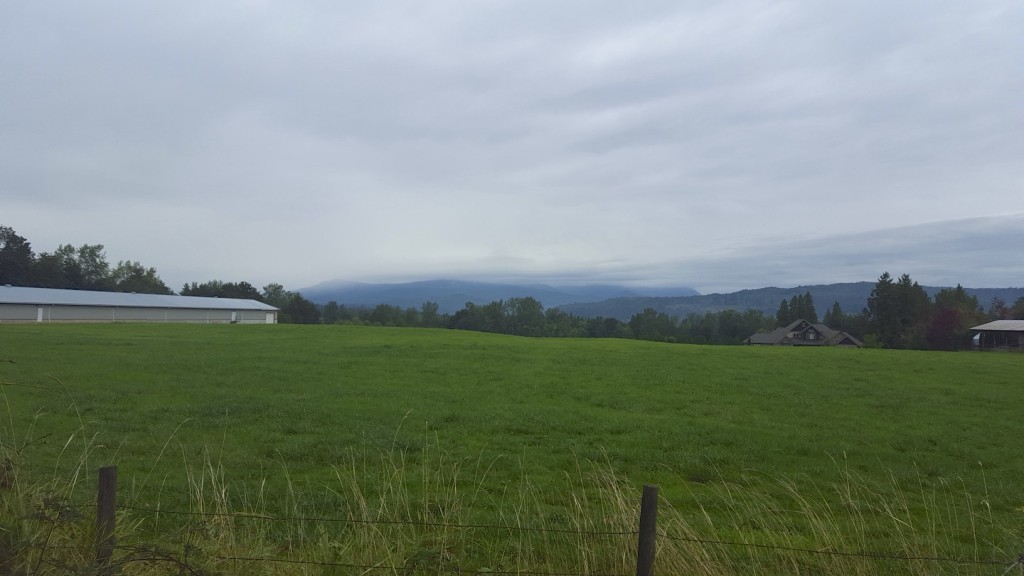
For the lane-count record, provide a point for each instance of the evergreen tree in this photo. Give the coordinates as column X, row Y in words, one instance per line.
column 801, row 307
column 898, row 312
column 1017, row 310
column 883, row 312
column 783, row 317
column 17, row 262
column 834, row 317
column 914, row 312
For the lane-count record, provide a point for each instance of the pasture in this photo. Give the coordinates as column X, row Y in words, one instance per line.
column 281, row 411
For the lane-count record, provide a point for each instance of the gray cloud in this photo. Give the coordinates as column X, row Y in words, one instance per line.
column 300, row 141
column 974, row 252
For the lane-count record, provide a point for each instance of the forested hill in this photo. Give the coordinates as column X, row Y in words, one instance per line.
column 452, row 295
column 852, row 298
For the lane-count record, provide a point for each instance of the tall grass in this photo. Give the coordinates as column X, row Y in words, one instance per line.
column 276, row 452
column 382, row 515
column 852, row 525
column 39, row 531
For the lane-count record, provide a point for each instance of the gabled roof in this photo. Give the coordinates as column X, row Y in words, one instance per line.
column 52, row 296
column 803, row 324
column 829, row 337
column 844, row 339
column 773, row 337
column 1002, row 326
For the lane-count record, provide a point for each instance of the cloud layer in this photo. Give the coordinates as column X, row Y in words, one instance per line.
column 300, row 141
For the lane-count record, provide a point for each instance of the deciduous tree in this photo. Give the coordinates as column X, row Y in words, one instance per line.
column 955, row 312
column 299, row 310
column 525, row 316
column 216, row 288
column 653, row 325
column 429, row 315
column 131, row 276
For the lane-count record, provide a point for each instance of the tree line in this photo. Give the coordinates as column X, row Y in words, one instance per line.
column 899, row 313
column 86, row 268
column 526, row 316
column 81, row 268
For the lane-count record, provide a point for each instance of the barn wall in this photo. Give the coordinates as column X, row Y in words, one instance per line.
column 200, row 316
column 17, row 313
column 139, row 315
column 189, row 315
column 253, row 317
column 54, row 313
column 997, row 340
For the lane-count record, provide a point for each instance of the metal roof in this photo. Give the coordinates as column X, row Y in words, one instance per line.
column 51, row 296
column 1003, row 326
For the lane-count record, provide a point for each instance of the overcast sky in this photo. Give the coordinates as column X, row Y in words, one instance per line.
column 719, row 145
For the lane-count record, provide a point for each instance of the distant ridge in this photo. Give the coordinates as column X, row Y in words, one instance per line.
column 608, row 300
column 852, row 298
column 452, row 295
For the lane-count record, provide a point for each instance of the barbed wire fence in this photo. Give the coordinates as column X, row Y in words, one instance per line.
column 110, row 557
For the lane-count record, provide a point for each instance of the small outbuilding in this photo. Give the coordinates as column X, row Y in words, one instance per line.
column 21, row 304
column 1000, row 335
column 804, row 333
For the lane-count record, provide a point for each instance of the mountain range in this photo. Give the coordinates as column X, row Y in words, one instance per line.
column 452, row 295
column 852, row 298
column 612, row 301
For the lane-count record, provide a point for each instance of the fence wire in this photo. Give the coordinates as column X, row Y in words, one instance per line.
column 872, row 555
column 826, row 552
column 661, row 534
column 416, row 523
column 396, row 569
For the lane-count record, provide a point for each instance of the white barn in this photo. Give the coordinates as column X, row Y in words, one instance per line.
column 20, row 304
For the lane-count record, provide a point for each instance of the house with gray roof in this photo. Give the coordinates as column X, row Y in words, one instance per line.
column 804, row 333
column 23, row 304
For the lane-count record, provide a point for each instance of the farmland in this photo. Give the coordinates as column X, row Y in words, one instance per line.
column 280, row 409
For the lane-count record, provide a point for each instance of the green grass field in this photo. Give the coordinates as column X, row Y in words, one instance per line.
column 290, row 405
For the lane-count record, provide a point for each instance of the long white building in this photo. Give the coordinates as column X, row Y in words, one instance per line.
column 20, row 304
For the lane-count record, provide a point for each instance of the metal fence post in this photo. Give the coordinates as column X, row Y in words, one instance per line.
column 648, row 526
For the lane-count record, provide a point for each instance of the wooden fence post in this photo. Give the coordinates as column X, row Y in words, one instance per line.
column 106, row 507
column 648, row 526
